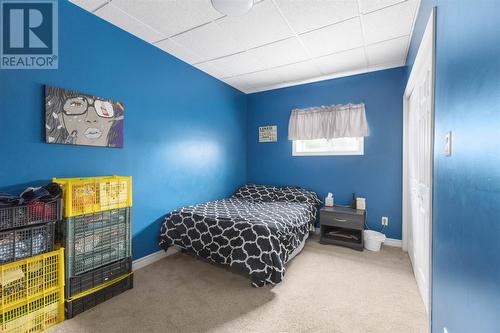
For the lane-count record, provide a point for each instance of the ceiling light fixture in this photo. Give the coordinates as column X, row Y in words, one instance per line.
column 232, row 7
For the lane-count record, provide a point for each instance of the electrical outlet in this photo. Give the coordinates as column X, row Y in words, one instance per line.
column 385, row 221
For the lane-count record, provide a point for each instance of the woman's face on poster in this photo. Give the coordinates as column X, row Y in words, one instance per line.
column 88, row 121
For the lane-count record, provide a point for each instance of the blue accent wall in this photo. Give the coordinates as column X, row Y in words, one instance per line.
column 376, row 175
column 466, row 198
column 184, row 130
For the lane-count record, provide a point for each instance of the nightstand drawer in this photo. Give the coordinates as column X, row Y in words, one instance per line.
column 342, row 220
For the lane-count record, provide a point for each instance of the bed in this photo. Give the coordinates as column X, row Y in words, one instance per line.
column 257, row 231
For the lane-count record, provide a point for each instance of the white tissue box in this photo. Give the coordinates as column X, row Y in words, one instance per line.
column 361, row 203
column 329, row 202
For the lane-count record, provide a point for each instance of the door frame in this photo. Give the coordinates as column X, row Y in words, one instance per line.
column 427, row 45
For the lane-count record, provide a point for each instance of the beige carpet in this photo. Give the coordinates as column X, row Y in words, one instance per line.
column 326, row 289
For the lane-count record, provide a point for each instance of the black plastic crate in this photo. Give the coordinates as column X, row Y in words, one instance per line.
column 21, row 243
column 95, row 240
column 96, row 277
column 87, row 302
column 36, row 212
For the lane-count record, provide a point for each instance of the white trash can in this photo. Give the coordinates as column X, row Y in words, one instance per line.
column 373, row 240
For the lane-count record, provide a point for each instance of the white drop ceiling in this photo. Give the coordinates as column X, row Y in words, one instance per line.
column 279, row 43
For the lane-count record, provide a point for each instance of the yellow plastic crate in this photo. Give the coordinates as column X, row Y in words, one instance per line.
column 32, row 293
column 95, row 194
column 34, row 316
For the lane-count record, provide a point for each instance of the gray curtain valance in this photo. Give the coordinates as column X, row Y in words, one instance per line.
column 328, row 122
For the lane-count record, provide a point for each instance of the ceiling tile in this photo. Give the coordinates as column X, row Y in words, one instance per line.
column 265, row 57
column 262, row 25
column 170, row 17
column 343, row 61
column 305, row 15
column 280, row 53
column 210, row 41
column 212, row 69
column 335, row 38
column 121, row 19
column 297, row 72
column 388, row 23
column 366, row 6
column 89, row 5
column 240, row 63
column 390, row 51
column 238, row 83
column 179, row 51
column 261, row 79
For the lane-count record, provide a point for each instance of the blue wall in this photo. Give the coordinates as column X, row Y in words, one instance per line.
column 376, row 175
column 184, row 130
column 466, row 228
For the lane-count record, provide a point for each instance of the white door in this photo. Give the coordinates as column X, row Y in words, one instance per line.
column 419, row 147
column 420, row 122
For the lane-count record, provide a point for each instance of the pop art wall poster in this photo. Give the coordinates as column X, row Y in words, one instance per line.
column 74, row 118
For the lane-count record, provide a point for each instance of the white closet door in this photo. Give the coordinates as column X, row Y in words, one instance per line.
column 420, row 152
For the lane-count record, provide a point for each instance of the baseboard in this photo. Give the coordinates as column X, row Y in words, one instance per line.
column 393, row 242
column 153, row 257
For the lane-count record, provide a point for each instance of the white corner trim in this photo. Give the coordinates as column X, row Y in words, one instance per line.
column 393, row 242
column 153, row 257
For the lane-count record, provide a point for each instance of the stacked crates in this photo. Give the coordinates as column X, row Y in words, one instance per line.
column 28, row 230
column 31, row 276
column 32, row 293
column 96, row 233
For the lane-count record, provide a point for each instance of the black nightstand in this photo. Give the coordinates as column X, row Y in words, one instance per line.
column 342, row 226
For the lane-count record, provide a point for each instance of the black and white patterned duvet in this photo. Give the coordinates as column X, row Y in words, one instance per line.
column 254, row 237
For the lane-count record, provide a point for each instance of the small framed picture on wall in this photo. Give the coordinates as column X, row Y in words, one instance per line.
column 268, row 133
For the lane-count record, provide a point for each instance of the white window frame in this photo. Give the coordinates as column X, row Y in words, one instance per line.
column 359, row 152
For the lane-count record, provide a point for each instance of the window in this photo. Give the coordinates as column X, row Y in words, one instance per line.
column 339, row 146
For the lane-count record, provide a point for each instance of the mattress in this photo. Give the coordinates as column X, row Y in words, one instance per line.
column 256, row 238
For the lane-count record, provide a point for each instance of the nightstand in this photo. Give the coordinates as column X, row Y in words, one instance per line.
column 342, row 226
